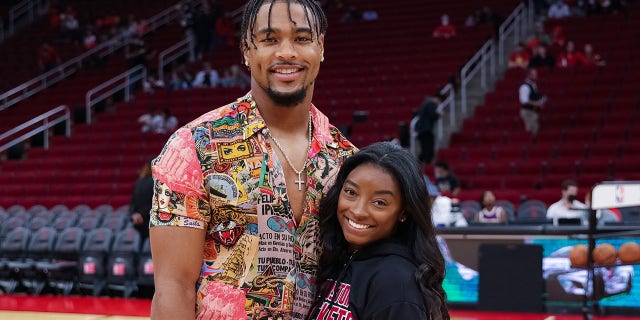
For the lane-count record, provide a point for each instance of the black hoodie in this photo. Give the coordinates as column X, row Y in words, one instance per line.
column 377, row 282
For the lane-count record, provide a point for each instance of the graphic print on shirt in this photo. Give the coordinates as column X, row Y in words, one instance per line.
column 336, row 302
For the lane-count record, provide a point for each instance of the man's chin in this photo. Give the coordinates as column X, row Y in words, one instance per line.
column 287, row 99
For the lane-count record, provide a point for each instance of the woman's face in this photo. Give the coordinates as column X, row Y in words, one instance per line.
column 322, row 163
column 489, row 198
column 369, row 206
column 164, row 196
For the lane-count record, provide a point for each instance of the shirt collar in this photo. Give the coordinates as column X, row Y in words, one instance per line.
column 323, row 135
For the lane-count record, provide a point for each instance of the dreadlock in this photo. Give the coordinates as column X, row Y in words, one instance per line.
column 313, row 12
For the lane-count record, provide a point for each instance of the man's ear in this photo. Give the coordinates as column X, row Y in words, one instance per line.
column 321, row 44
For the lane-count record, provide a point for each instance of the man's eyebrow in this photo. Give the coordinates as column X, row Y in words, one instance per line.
column 268, row 30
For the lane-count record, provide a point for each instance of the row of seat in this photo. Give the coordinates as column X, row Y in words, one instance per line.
column 74, row 260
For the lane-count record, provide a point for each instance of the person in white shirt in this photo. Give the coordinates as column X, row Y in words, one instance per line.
column 558, row 10
column 151, row 121
column 206, row 78
column 568, row 206
column 441, row 209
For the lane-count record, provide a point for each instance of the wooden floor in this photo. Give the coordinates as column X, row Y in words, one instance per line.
column 20, row 307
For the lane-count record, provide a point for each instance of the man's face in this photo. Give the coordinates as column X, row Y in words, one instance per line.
column 533, row 74
column 571, row 190
column 286, row 58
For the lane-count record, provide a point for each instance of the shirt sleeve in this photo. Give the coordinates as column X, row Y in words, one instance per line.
column 524, row 92
column 179, row 197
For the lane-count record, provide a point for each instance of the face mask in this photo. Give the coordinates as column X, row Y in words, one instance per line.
column 571, row 197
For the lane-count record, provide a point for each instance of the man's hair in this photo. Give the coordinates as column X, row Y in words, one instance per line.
column 313, row 12
column 441, row 164
column 568, row 183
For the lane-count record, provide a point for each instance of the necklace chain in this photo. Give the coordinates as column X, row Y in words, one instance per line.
column 304, row 165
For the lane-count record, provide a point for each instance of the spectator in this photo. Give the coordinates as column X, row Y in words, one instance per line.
column 176, row 82
column 570, row 57
column 531, row 101
column 234, row 77
column 541, row 59
column 69, row 25
column 203, row 27
column 568, row 206
column 558, row 10
column 558, row 40
column 519, row 58
column 446, row 181
column 489, row 212
column 151, row 84
column 427, row 118
column 151, row 121
column 206, row 78
column 170, row 122
column 136, row 52
column 90, row 40
column 592, row 58
column 441, row 213
column 140, row 205
column 370, row 15
column 444, row 30
column 48, row 57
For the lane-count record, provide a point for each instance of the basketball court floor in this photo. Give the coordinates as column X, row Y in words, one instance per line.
column 22, row 307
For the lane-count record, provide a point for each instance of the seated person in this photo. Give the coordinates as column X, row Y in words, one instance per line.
column 206, row 78
column 441, row 209
column 490, row 213
column 568, row 207
column 570, row 57
column 519, row 58
column 446, row 181
column 444, row 30
column 541, row 58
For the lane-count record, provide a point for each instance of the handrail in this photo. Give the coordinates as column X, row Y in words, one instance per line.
column 44, row 81
column 510, row 25
column 477, row 62
column 123, row 81
column 24, row 12
column 447, row 104
column 44, row 127
column 172, row 53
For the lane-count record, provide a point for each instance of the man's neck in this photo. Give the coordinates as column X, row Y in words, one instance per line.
column 289, row 119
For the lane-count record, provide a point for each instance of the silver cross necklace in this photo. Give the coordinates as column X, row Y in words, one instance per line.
column 299, row 181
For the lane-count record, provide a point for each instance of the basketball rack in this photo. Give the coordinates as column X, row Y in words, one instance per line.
column 605, row 195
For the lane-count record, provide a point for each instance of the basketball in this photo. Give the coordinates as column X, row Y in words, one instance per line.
column 629, row 252
column 578, row 255
column 605, row 254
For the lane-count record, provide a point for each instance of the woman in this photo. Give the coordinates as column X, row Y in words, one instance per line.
column 489, row 212
column 380, row 256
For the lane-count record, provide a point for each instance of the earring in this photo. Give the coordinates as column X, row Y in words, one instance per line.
column 246, row 63
column 403, row 219
column 322, row 59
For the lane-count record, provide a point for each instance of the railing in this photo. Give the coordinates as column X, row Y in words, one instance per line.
column 123, row 81
column 44, row 122
column 479, row 61
column 22, row 14
column 61, row 72
column 447, row 104
column 515, row 26
column 173, row 53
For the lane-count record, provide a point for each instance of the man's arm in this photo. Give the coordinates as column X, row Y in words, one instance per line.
column 177, row 257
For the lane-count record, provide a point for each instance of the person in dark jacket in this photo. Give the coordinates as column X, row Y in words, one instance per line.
column 140, row 205
column 427, row 118
column 380, row 255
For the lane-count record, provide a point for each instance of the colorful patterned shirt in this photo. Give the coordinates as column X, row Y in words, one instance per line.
column 219, row 173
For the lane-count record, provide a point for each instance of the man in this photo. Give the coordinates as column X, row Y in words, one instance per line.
column 234, row 220
column 206, row 78
column 446, row 181
column 568, row 206
column 427, row 118
column 532, row 101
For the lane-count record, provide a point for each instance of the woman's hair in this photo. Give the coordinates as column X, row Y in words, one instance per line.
column 416, row 232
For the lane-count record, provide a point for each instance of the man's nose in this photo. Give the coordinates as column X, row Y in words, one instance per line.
column 286, row 50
